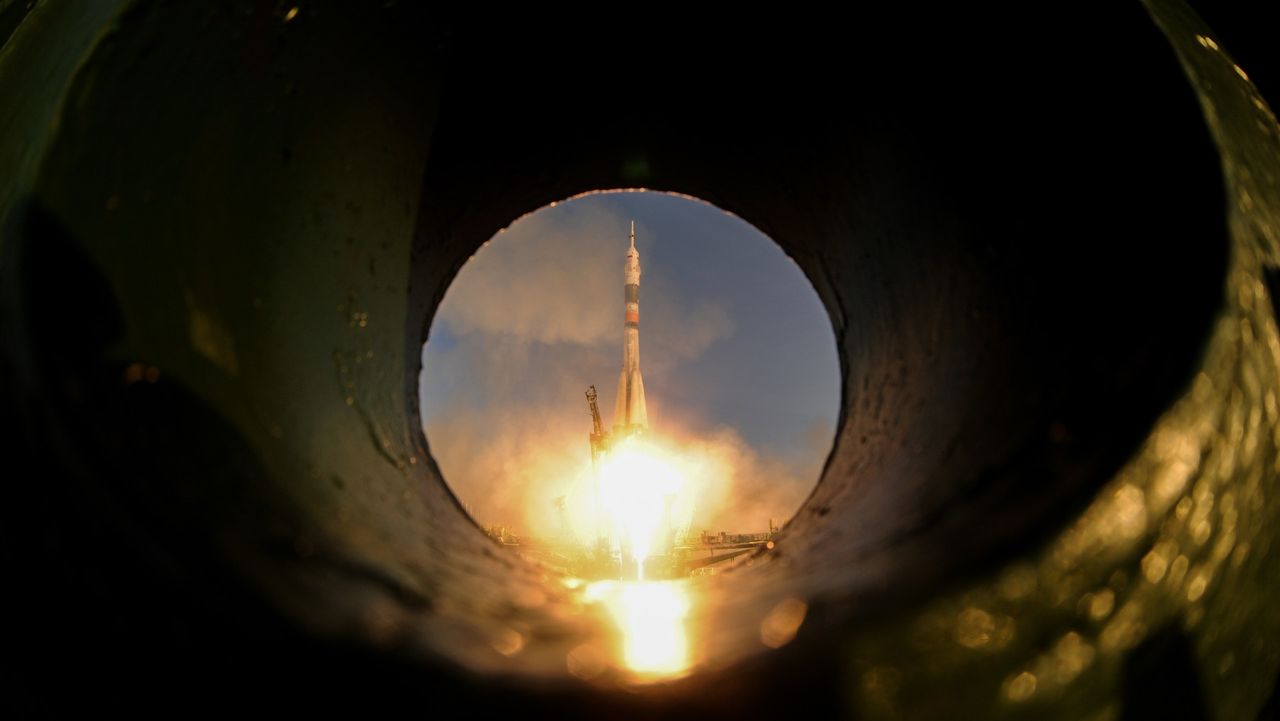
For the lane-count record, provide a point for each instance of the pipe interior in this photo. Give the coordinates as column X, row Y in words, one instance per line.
column 241, row 229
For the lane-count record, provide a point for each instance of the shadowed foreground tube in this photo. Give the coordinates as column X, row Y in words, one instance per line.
column 1048, row 256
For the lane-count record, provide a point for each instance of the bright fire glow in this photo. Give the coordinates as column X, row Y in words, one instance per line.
column 650, row 618
column 717, row 482
column 640, row 489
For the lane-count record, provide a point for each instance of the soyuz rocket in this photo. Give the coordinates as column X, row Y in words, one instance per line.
column 629, row 414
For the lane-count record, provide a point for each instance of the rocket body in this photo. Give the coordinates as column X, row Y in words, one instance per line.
column 629, row 412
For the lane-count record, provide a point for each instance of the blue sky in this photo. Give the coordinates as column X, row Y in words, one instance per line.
column 733, row 344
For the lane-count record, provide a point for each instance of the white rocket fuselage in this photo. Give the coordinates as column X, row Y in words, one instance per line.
column 629, row 412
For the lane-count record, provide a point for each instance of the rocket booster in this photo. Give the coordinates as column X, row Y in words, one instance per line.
column 629, row 413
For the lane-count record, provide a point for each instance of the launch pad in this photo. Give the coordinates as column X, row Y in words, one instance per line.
column 701, row 555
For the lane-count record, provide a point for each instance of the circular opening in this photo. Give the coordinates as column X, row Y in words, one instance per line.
column 739, row 381
column 572, row 452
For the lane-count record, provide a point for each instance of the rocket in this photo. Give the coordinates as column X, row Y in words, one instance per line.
column 629, row 414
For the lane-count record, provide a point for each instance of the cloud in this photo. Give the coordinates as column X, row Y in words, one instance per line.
column 702, row 324
column 543, row 279
column 739, row 489
column 556, row 277
column 510, row 472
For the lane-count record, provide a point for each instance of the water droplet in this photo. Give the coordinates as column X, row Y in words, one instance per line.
column 133, row 373
column 1101, row 603
column 508, row 641
column 1197, row 585
column 974, row 628
column 1154, row 565
column 779, row 627
column 1021, row 687
column 586, row 661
